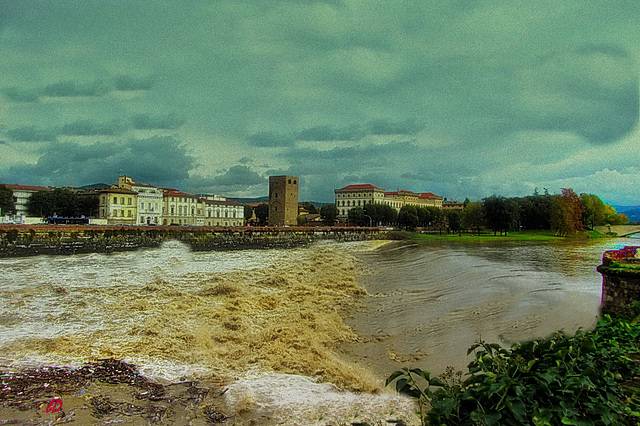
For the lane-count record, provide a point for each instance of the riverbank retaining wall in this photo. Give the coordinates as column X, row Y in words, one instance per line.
column 620, row 271
column 22, row 240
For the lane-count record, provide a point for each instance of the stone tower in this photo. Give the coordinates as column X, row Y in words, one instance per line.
column 283, row 200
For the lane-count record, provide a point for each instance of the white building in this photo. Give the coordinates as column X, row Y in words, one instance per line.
column 360, row 195
column 223, row 212
column 21, row 194
column 357, row 196
column 149, row 204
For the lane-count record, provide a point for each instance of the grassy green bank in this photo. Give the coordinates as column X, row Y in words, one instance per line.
column 485, row 235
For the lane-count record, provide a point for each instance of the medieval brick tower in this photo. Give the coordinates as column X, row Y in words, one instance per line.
column 283, row 200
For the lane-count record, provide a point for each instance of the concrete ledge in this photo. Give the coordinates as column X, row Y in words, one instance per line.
column 30, row 240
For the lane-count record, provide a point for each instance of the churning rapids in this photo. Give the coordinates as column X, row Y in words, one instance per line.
column 268, row 321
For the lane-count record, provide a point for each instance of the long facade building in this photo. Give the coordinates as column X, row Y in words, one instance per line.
column 131, row 203
column 360, row 195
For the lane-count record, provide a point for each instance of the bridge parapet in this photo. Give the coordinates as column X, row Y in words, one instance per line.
column 620, row 271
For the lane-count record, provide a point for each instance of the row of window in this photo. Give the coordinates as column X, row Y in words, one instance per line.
column 115, row 200
column 355, row 203
column 375, row 194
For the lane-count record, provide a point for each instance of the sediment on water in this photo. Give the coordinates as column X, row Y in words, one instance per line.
column 285, row 318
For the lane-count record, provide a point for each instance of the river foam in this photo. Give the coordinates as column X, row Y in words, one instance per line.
column 182, row 315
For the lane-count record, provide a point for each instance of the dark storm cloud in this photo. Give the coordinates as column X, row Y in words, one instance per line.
column 31, row 134
column 148, row 121
column 592, row 91
column 388, row 127
column 238, row 176
column 93, row 128
column 270, row 140
column 159, row 161
column 74, row 89
column 328, row 133
column 18, row 94
column 128, row 83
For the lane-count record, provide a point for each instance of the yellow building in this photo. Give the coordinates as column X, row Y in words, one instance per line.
column 118, row 206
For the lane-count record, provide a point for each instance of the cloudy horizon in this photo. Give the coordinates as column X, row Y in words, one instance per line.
column 463, row 99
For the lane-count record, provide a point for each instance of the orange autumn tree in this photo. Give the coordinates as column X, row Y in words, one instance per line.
column 566, row 213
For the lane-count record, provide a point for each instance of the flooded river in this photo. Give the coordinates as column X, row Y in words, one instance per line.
column 431, row 301
column 266, row 321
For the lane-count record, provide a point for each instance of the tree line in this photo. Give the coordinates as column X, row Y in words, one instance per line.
column 565, row 214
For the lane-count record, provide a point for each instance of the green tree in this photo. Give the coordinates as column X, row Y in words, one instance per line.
column 329, row 214
column 6, row 200
column 262, row 213
column 380, row 214
column 594, row 211
column 566, row 213
column 454, row 220
column 408, row 217
column 500, row 213
column 309, row 206
column 613, row 218
column 473, row 216
column 248, row 212
column 356, row 216
column 62, row 202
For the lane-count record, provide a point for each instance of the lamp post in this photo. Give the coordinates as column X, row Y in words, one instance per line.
column 370, row 220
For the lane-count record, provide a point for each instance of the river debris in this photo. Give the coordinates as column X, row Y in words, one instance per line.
column 108, row 390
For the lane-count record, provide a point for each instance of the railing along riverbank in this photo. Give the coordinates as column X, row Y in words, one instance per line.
column 31, row 240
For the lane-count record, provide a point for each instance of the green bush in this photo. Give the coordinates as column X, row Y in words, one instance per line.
column 586, row 379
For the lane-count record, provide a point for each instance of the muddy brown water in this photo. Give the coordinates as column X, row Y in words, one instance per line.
column 288, row 329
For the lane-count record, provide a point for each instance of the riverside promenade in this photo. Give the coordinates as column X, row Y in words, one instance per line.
column 31, row 240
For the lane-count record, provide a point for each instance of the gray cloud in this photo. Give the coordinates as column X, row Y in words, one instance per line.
column 270, row 140
column 129, row 83
column 388, row 127
column 592, row 91
column 238, row 176
column 18, row 94
column 328, row 133
column 93, row 128
column 488, row 92
column 73, row 89
column 161, row 161
column 31, row 134
column 167, row 122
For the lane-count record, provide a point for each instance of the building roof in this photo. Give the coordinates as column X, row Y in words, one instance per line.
column 222, row 203
column 172, row 192
column 360, row 186
column 429, row 195
column 117, row 191
column 18, row 187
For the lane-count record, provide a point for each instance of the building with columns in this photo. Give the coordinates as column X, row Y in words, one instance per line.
column 359, row 195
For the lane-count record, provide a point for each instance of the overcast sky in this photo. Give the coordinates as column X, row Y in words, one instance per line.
column 462, row 98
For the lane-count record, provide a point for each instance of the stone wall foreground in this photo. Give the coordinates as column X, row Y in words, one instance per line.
column 25, row 240
column 620, row 271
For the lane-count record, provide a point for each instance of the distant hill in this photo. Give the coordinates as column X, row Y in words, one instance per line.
column 250, row 200
column 266, row 200
column 632, row 212
column 95, row 186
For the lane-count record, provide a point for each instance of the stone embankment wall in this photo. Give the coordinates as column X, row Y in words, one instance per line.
column 620, row 271
column 24, row 240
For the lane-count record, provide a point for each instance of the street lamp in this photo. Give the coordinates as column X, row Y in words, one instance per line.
column 370, row 220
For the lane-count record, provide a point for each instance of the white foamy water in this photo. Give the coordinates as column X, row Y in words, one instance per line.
column 180, row 315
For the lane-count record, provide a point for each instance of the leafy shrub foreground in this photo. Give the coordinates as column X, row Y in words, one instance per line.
column 587, row 379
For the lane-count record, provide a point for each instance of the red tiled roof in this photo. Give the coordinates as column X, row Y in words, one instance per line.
column 18, row 187
column 428, row 195
column 361, row 186
column 172, row 192
column 117, row 191
column 223, row 203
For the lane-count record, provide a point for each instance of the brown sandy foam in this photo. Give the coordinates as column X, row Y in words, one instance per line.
column 285, row 318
